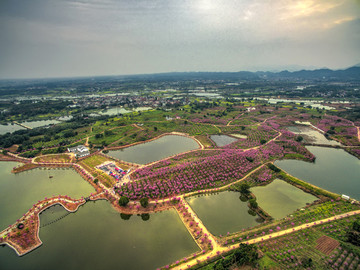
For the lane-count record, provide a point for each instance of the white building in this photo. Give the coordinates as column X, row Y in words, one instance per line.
column 79, row 151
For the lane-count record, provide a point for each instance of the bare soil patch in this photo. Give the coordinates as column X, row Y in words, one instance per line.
column 326, row 244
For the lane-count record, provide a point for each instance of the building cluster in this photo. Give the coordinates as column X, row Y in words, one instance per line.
column 128, row 101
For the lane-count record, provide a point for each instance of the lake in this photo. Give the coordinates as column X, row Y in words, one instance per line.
column 223, row 212
column 311, row 136
column 222, row 140
column 334, row 170
column 18, row 192
column 279, row 198
column 161, row 148
column 96, row 237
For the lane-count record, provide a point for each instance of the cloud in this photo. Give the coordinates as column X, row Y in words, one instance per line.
column 89, row 37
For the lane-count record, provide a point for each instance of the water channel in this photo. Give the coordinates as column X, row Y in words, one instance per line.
column 155, row 150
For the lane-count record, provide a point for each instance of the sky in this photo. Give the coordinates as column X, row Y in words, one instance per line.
column 70, row 38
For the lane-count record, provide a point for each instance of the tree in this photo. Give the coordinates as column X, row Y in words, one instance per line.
column 98, row 136
column 274, row 168
column 299, row 138
column 244, row 188
column 253, row 203
column 144, row 202
column 306, row 262
column 125, row 216
column 123, row 201
column 145, row 217
column 246, row 254
column 250, row 159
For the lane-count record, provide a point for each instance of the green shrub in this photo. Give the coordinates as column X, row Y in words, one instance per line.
column 123, row 201
column 144, row 202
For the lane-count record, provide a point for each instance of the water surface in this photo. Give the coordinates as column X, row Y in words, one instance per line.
column 155, row 150
column 223, row 212
column 18, row 192
column 334, row 170
column 311, row 136
column 96, row 237
column 279, row 198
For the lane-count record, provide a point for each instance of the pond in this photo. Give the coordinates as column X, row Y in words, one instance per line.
column 18, row 192
column 41, row 123
column 9, row 128
column 222, row 140
column 161, row 148
column 334, row 170
column 223, row 212
column 279, row 198
column 96, row 237
column 311, row 136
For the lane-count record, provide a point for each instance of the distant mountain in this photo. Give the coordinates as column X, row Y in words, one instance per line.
column 323, row 74
column 349, row 74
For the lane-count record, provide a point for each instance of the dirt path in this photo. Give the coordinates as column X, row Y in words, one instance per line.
column 237, row 117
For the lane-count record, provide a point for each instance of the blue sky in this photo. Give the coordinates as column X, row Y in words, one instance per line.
column 62, row 38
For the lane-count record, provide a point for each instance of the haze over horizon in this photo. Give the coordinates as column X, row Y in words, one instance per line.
column 67, row 38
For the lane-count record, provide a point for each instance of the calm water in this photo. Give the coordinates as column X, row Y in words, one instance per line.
column 223, row 212
column 35, row 124
column 96, row 237
column 18, row 192
column 279, row 198
column 155, row 150
column 221, row 140
column 311, row 136
column 9, row 128
column 334, row 170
